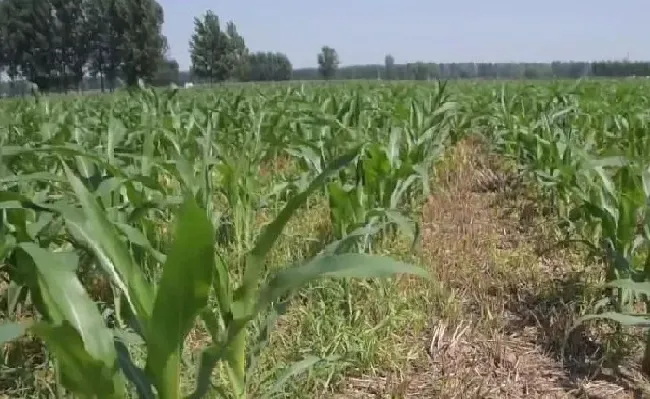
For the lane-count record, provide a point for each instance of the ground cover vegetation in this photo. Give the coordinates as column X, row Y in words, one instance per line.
column 167, row 243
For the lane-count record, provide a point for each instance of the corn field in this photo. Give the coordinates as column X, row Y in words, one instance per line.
column 129, row 222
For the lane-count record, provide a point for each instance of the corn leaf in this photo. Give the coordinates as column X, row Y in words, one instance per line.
column 182, row 294
column 350, row 265
column 80, row 372
column 64, row 296
column 103, row 239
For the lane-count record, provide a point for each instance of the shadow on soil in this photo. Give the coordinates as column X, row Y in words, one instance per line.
column 547, row 311
column 544, row 312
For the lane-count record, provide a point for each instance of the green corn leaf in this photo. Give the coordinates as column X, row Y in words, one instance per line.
column 80, row 372
column 350, row 265
column 627, row 320
column 272, row 232
column 182, row 294
column 208, row 361
column 626, row 284
column 15, row 294
column 220, row 351
column 38, row 176
column 645, row 179
column 403, row 223
column 136, row 237
column 222, row 285
column 134, row 374
column 295, row 369
column 115, row 134
column 68, row 150
column 613, row 161
column 364, row 231
column 103, row 239
column 64, row 295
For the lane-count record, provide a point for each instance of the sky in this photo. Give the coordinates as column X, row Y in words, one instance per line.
column 364, row 31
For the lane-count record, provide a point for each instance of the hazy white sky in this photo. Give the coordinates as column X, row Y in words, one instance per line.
column 363, row 31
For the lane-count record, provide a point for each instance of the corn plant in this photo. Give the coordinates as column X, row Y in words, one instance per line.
column 91, row 189
column 587, row 148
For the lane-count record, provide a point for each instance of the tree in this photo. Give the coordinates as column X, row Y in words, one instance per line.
column 37, row 41
column 44, row 41
column 209, row 49
column 106, row 27
column 168, row 72
column 237, row 54
column 13, row 27
column 143, row 45
column 282, row 68
column 74, row 50
column 328, row 62
column 269, row 67
column 55, row 43
column 4, row 56
column 99, row 26
column 389, row 67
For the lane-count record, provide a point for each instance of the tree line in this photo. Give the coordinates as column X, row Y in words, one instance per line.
column 390, row 70
column 62, row 45
column 56, row 43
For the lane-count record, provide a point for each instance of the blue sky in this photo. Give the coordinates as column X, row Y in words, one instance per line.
column 363, row 31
